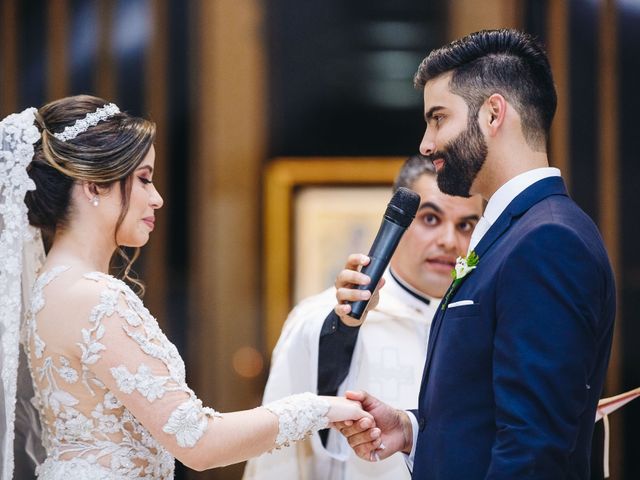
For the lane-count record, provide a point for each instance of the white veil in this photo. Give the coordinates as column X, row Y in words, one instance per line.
column 21, row 255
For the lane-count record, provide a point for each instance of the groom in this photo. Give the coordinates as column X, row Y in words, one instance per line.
column 519, row 347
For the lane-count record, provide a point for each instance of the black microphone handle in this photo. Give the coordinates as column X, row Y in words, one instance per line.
column 380, row 254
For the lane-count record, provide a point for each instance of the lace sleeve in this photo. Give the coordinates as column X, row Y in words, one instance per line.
column 298, row 416
column 124, row 349
column 124, row 352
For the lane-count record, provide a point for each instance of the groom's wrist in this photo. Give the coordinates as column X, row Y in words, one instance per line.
column 407, row 431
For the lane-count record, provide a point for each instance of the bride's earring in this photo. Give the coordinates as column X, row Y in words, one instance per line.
column 94, row 201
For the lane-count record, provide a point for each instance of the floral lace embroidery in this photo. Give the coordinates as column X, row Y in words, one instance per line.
column 104, row 433
column 298, row 416
column 150, row 386
column 187, row 423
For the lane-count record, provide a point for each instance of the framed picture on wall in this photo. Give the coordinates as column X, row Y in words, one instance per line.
column 316, row 212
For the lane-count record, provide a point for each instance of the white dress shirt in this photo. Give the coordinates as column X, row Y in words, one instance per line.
column 503, row 197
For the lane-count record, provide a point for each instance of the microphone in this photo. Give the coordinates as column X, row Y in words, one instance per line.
column 399, row 214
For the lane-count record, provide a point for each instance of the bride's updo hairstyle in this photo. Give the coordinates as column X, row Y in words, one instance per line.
column 102, row 154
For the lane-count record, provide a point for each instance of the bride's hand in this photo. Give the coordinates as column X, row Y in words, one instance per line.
column 342, row 409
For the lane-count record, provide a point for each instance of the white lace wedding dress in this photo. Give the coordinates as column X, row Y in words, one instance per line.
column 87, row 431
column 85, row 371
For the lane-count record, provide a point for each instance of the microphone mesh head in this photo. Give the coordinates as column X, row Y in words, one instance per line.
column 403, row 206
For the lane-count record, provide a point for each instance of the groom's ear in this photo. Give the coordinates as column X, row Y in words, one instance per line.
column 493, row 113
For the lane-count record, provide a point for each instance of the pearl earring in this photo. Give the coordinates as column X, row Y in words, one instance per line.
column 94, row 201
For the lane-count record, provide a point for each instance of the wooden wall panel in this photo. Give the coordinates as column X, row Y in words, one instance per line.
column 57, row 52
column 157, row 97
column 105, row 74
column 230, row 118
column 609, row 200
column 558, row 50
column 467, row 16
column 8, row 44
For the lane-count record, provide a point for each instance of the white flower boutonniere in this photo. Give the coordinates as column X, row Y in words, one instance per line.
column 464, row 266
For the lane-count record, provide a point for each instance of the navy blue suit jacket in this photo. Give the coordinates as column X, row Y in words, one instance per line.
column 511, row 382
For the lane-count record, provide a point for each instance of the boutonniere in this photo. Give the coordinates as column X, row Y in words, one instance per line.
column 464, row 266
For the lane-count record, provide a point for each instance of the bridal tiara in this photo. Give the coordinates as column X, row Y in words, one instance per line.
column 89, row 120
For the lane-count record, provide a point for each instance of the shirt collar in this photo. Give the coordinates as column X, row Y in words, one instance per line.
column 395, row 280
column 510, row 190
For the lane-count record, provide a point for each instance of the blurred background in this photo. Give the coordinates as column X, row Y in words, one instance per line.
column 235, row 85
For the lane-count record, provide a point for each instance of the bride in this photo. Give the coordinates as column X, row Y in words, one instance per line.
column 109, row 387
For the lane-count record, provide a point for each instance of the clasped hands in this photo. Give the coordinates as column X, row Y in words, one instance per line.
column 380, row 432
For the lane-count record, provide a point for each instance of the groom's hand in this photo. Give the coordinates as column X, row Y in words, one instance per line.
column 392, row 431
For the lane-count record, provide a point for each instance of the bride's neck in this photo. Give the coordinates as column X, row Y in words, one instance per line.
column 84, row 249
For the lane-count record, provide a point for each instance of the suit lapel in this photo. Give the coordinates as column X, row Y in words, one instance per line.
column 494, row 233
column 518, row 206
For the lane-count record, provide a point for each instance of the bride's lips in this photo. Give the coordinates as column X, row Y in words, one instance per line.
column 443, row 264
column 150, row 221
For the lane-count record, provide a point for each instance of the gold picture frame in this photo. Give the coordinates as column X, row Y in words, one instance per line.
column 285, row 179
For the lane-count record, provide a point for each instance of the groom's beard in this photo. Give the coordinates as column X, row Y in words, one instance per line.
column 463, row 158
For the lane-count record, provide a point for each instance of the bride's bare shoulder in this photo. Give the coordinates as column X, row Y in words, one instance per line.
column 72, row 293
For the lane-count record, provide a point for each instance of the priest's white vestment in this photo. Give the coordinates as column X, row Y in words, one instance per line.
column 387, row 362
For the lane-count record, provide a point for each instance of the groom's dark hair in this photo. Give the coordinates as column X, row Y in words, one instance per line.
column 508, row 62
